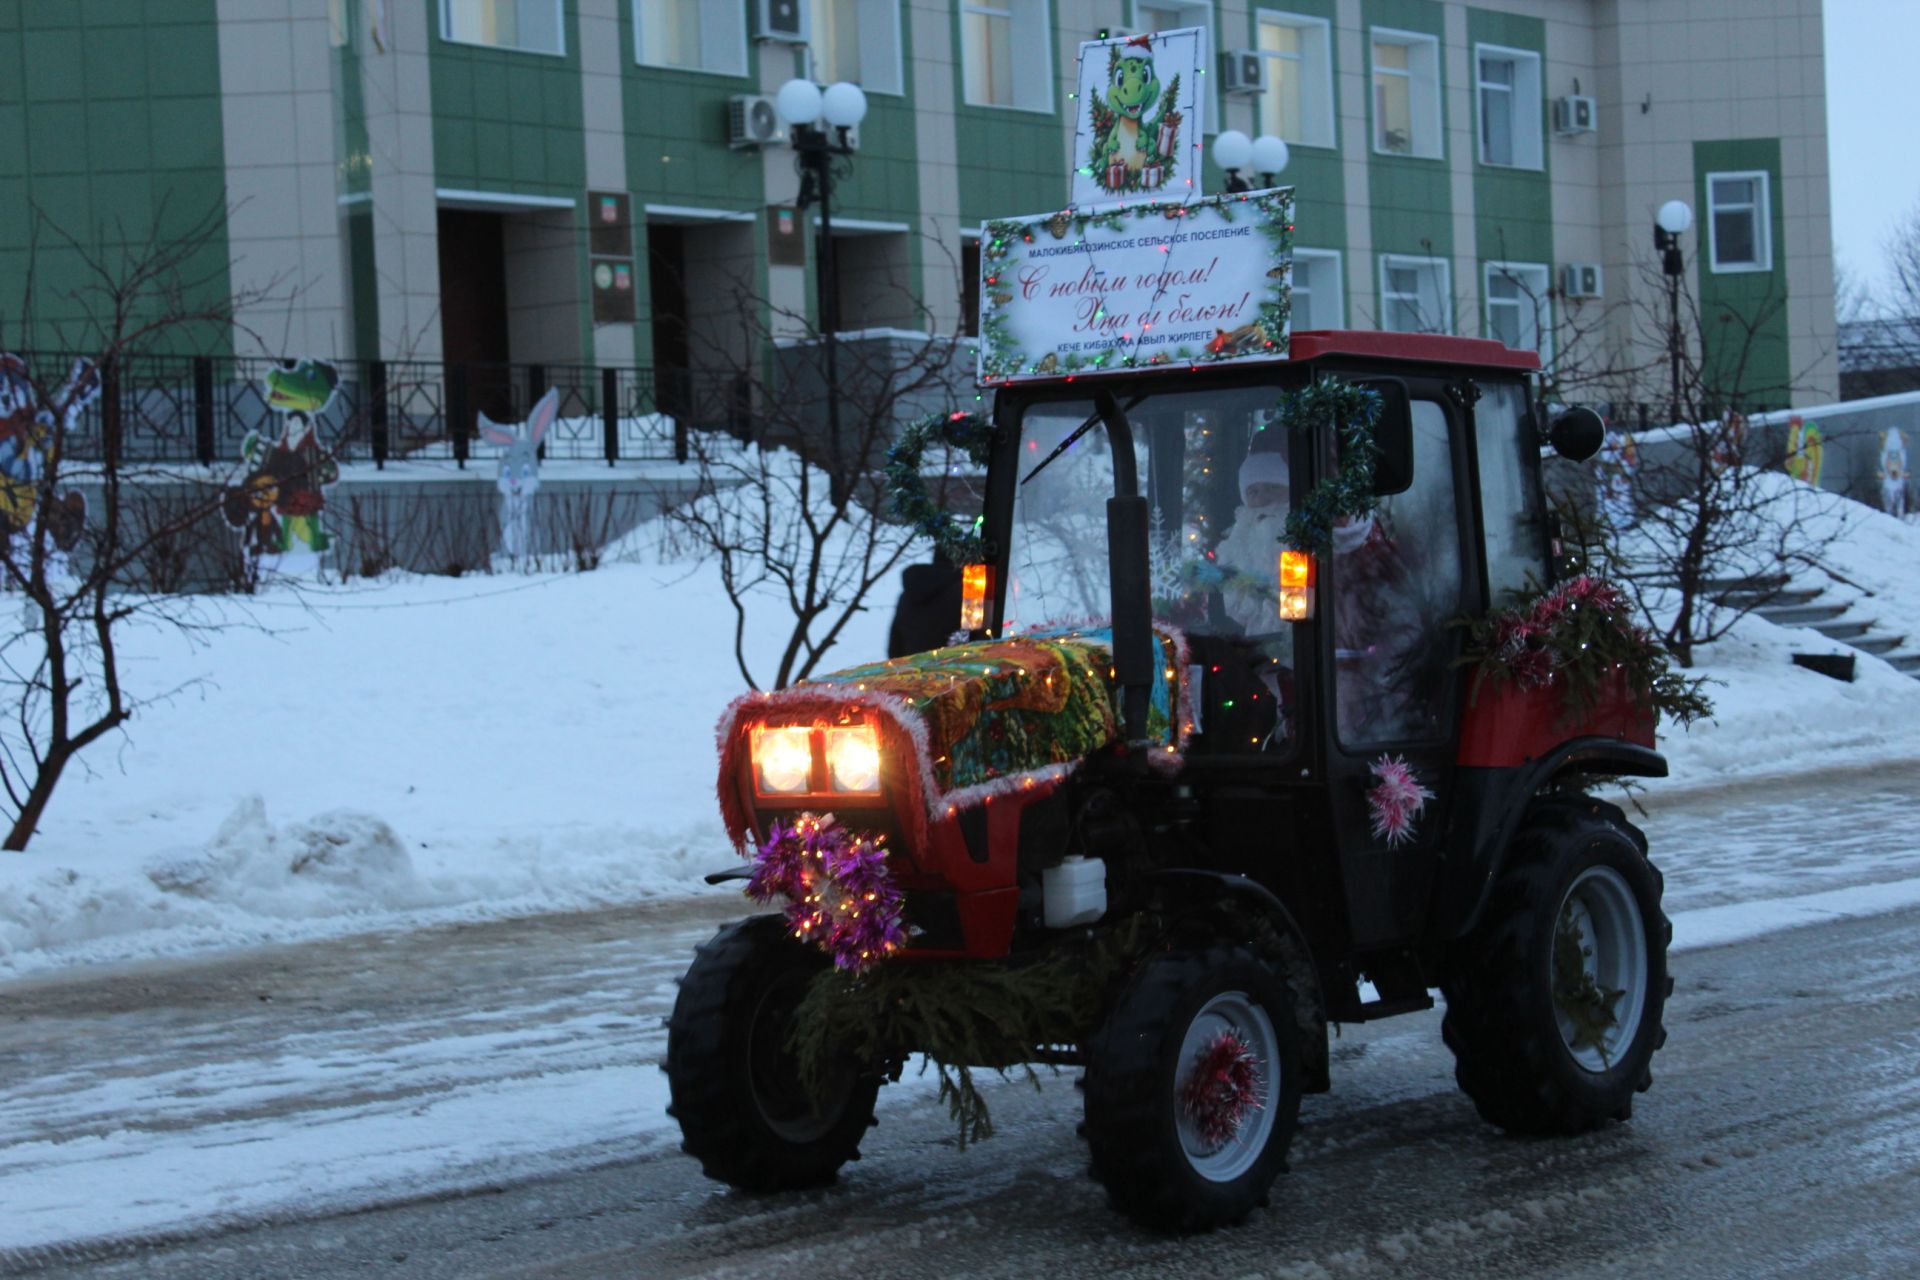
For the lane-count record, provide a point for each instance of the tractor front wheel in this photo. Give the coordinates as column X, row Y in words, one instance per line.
column 736, row 1089
column 1554, row 1002
column 1193, row 1089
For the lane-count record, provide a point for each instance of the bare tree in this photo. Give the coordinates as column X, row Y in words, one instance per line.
column 798, row 519
column 76, row 553
column 1711, row 533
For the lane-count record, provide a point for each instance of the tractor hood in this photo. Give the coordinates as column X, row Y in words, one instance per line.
column 966, row 722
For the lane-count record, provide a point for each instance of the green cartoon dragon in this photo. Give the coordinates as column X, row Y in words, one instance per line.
column 1127, row 152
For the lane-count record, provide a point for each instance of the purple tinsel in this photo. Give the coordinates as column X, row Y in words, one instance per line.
column 840, row 896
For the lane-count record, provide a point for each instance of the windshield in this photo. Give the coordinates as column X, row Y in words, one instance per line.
column 1218, row 487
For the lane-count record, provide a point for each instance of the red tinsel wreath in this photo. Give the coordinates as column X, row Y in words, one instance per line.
column 1222, row 1088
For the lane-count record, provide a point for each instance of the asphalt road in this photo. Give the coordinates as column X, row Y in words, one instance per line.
column 1782, row 1136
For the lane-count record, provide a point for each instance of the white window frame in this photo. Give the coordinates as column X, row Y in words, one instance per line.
column 1536, row 284
column 1528, row 140
column 559, row 26
column 878, row 36
column 1031, row 44
column 1428, row 141
column 725, row 10
column 1444, row 272
column 1196, row 13
column 1762, row 220
column 1328, row 260
column 1319, row 75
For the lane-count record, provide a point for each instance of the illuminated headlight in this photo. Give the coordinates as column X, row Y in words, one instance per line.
column 783, row 760
column 853, row 758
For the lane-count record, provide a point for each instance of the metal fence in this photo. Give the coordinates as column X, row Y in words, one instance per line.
column 203, row 408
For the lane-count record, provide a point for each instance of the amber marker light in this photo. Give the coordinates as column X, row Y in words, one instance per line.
column 783, row 760
column 853, row 759
column 976, row 583
column 1296, row 586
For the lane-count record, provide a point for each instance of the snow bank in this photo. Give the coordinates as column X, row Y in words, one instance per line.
column 411, row 751
column 1772, row 717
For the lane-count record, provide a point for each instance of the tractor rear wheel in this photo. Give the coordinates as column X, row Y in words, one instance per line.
column 1554, row 1001
column 736, row 1090
column 1193, row 1089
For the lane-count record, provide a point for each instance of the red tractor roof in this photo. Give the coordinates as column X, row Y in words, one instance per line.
column 1428, row 348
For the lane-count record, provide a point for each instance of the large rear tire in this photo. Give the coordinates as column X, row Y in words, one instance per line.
column 736, row 1090
column 1554, row 1002
column 1151, row 1150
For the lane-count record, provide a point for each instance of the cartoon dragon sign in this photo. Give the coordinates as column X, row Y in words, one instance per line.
column 1142, row 125
column 276, row 508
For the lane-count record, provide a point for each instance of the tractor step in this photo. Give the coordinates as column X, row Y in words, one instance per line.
column 1392, row 1006
column 1800, row 615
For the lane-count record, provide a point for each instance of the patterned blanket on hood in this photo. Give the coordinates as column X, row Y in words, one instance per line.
column 991, row 715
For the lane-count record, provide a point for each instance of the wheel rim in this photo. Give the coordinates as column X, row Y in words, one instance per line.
column 1599, row 968
column 1229, row 1013
column 773, row 1076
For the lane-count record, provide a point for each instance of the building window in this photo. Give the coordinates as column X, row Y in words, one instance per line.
column 857, row 40
column 1007, row 49
column 1317, row 300
column 1416, row 294
column 1298, row 102
column 339, row 24
column 1510, row 110
column 1406, row 94
column 531, row 26
column 1519, row 312
column 694, row 35
column 1738, row 231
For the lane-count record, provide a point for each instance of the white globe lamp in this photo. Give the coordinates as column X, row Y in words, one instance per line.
column 1269, row 154
column 844, row 105
column 798, row 102
column 1232, row 150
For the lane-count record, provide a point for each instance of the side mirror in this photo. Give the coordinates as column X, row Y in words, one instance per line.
column 1577, row 434
column 1392, row 436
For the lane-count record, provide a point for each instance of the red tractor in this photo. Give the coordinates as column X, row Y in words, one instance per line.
column 1276, row 757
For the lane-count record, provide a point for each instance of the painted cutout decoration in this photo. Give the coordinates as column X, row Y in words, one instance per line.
column 519, row 477
column 277, row 507
column 1893, row 473
column 1139, row 127
column 1805, row 450
column 28, row 441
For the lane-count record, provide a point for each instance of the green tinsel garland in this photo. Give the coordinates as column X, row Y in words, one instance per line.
column 1354, row 412
column 970, row 433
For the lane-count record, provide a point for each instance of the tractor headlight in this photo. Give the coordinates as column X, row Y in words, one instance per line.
column 783, row 760
column 853, row 759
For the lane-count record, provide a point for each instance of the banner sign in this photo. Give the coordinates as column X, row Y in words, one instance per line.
column 1152, row 283
column 1138, row 131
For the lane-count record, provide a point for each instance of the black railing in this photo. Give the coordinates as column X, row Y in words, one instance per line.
column 202, row 409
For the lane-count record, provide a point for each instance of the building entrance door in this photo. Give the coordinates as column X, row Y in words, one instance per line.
column 473, row 309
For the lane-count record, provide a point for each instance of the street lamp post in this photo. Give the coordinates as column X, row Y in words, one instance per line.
column 820, row 122
column 1234, row 151
column 1674, row 217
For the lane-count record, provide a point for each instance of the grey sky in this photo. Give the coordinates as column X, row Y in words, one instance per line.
column 1873, row 102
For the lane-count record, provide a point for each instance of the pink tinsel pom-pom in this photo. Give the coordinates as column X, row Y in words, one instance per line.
column 1395, row 800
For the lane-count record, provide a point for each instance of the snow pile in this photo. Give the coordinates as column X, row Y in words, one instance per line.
column 1772, row 717
column 410, row 751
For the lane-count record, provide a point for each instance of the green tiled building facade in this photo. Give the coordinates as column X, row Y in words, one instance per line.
column 420, row 179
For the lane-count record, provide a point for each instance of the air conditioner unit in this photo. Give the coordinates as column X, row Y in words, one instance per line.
column 1243, row 71
column 752, row 122
column 1574, row 114
column 782, row 20
column 1580, row 280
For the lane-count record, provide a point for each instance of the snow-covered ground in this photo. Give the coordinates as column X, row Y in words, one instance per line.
column 425, row 749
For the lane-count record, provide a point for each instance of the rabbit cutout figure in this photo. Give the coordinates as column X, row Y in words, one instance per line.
column 520, row 472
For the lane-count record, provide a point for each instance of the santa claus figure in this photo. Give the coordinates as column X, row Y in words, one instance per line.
column 1251, row 550
column 1893, row 474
